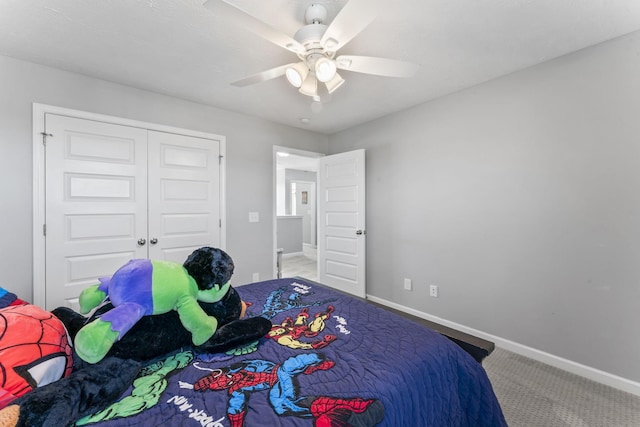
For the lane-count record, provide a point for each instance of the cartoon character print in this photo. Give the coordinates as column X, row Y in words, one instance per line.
column 241, row 379
column 277, row 302
column 152, row 381
column 146, row 391
column 289, row 332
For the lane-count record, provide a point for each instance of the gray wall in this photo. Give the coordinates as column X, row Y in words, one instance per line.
column 289, row 234
column 249, row 160
column 520, row 199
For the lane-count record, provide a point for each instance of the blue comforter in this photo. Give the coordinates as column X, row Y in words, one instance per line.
column 330, row 360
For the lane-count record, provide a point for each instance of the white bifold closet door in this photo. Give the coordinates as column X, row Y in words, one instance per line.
column 116, row 192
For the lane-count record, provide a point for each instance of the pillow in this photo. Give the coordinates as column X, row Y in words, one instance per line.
column 34, row 350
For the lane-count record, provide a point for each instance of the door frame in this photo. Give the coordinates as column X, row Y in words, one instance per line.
column 297, row 152
column 39, row 199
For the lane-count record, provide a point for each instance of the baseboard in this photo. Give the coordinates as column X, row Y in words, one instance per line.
column 292, row 254
column 588, row 372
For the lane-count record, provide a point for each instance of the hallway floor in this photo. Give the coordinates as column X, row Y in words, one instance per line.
column 303, row 264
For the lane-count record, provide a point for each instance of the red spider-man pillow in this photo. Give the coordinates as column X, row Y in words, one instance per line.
column 34, row 350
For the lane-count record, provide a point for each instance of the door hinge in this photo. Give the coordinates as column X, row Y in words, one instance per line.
column 44, row 229
column 220, row 159
column 44, row 137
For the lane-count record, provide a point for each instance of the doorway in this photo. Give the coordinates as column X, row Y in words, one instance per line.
column 340, row 250
column 296, row 212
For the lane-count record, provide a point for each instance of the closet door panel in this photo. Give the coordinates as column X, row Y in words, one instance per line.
column 96, row 202
column 184, row 195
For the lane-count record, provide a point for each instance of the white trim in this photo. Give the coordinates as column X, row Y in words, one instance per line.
column 292, row 254
column 38, row 207
column 274, row 211
column 223, row 192
column 61, row 111
column 39, row 111
column 588, row 372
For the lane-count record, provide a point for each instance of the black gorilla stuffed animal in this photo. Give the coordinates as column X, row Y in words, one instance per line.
column 92, row 387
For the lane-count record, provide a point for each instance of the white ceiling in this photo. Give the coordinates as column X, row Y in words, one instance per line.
column 181, row 49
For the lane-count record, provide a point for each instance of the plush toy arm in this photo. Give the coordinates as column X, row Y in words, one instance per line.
column 91, row 297
column 236, row 334
column 94, row 340
column 195, row 320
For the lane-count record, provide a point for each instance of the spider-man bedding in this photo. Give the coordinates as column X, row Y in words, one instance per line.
column 329, row 360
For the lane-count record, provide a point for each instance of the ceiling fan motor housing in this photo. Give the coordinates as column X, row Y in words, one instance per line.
column 315, row 14
column 310, row 35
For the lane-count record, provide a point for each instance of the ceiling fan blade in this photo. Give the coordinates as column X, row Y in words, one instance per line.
column 253, row 24
column 352, row 18
column 263, row 76
column 377, row 66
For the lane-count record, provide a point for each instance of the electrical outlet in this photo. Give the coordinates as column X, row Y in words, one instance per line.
column 407, row 284
column 433, row 291
column 254, row 217
column 256, row 277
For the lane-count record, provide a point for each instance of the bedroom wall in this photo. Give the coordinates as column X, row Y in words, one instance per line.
column 249, row 159
column 520, row 199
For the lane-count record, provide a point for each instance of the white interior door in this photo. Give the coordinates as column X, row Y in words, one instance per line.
column 96, row 203
column 341, row 222
column 184, row 195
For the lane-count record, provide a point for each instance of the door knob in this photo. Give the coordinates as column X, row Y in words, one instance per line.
column 141, row 242
column 360, row 232
column 153, row 241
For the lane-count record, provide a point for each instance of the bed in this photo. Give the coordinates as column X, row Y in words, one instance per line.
column 329, row 360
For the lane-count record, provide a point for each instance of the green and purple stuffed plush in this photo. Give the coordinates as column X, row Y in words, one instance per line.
column 92, row 387
column 144, row 287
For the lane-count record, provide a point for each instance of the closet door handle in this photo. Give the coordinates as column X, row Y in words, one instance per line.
column 153, row 241
column 142, row 242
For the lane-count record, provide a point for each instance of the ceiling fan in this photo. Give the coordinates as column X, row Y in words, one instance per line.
column 316, row 45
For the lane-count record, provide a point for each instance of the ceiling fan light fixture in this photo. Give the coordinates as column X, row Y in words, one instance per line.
column 325, row 69
column 297, row 73
column 334, row 83
column 316, row 45
column 309, row 86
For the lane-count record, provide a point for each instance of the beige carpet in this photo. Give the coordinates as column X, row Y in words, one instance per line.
column 533, row 394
